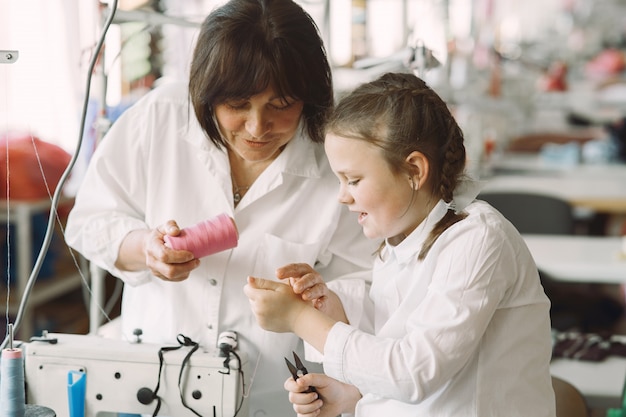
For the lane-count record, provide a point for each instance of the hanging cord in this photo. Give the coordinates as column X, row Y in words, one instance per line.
column 227, row 343
column 109, row 307
column 8, row 244
column 57, row 193
column 241, row 376
column 183, row 341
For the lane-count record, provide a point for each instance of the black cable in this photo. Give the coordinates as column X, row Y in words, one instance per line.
column 226, row 350
column 57, row 193
column 243, row 382
column 155, row 395
column 194, row 346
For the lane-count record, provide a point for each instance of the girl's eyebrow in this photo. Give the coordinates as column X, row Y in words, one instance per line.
column 348, row 173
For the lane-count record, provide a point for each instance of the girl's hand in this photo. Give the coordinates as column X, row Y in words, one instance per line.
column 305, row 281
column 310, row 285
column 331, row 399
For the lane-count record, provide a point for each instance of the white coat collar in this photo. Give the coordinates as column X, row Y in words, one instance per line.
column 409, row 248
column 466, row 191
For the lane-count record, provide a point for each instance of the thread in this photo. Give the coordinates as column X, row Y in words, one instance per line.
column 208, row 237
column 12, row 395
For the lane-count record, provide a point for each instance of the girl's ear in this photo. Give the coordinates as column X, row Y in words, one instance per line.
column 418, row 164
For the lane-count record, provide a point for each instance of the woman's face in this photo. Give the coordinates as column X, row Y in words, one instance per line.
column 257, row 128
column 381, row 197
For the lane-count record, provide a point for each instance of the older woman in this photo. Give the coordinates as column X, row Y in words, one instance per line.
column 242, row 138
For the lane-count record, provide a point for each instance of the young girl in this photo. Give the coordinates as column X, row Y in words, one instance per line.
column 461, row 322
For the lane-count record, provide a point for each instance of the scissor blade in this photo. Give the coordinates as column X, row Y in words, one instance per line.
column 299, row 364
column 300, row 367
column 292, row 369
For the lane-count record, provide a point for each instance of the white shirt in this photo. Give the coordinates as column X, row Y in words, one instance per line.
column 156, row 164
column 465, row 332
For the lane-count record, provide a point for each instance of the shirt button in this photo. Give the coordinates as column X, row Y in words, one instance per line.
column 213, row 282
column 209, row 326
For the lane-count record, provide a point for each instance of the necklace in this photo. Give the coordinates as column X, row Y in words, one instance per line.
column 237, row 191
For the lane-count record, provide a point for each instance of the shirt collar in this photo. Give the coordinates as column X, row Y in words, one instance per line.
column 300, row 156
column 466, row 191
column 408, row 249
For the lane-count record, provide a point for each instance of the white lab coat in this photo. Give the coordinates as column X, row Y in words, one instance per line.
column 156, row 164
column 465, row 332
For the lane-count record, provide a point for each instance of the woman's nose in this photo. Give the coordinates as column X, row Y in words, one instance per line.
column 257, row 124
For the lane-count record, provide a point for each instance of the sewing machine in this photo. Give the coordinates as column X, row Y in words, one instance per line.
column 121, row 377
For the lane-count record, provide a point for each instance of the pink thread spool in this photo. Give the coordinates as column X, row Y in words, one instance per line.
column 205, row 238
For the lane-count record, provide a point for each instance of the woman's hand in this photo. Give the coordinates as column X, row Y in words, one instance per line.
column 310, row 285
column 331, row 399
column 274, row 304
column 143, row 249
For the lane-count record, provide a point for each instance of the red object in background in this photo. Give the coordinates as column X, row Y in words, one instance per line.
column 555, row 78
column 490, row 146
column 26, row 180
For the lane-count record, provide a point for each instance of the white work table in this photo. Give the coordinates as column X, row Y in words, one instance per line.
column 585, row 259
column 600, row 187
column 601, row 383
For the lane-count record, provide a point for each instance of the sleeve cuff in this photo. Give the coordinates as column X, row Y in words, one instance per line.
column 354, row 296
column 334, row 350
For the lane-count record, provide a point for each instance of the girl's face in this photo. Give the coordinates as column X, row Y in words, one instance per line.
column 369, row 187
column 257, row 128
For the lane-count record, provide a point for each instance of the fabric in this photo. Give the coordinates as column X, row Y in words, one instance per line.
column 465, row 332
column 35, row 167
column 156, row 164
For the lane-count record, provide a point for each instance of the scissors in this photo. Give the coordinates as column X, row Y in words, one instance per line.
column 298, row 370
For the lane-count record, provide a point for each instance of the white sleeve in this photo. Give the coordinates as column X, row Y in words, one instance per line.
column 110, row 201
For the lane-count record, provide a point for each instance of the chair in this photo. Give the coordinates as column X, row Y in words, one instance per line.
column 533, row 213
column 569, row 401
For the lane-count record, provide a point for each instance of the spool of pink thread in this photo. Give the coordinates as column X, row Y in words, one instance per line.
column 208, row 237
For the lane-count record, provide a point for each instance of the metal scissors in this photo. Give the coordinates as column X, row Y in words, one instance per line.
column 298, row 370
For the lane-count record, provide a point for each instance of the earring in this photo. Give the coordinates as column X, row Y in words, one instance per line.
column 414, row 185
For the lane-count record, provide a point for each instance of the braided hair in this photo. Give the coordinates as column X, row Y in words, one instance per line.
column 400, row 113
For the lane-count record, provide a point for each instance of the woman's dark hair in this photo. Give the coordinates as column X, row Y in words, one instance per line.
column 400, row 114
column 245, row 46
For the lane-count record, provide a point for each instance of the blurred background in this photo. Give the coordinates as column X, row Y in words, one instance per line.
column 498, row 48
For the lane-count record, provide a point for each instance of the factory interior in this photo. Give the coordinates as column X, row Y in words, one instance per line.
column 537, row 87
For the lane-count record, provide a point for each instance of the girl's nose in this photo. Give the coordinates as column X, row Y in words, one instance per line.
column 344, row 196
